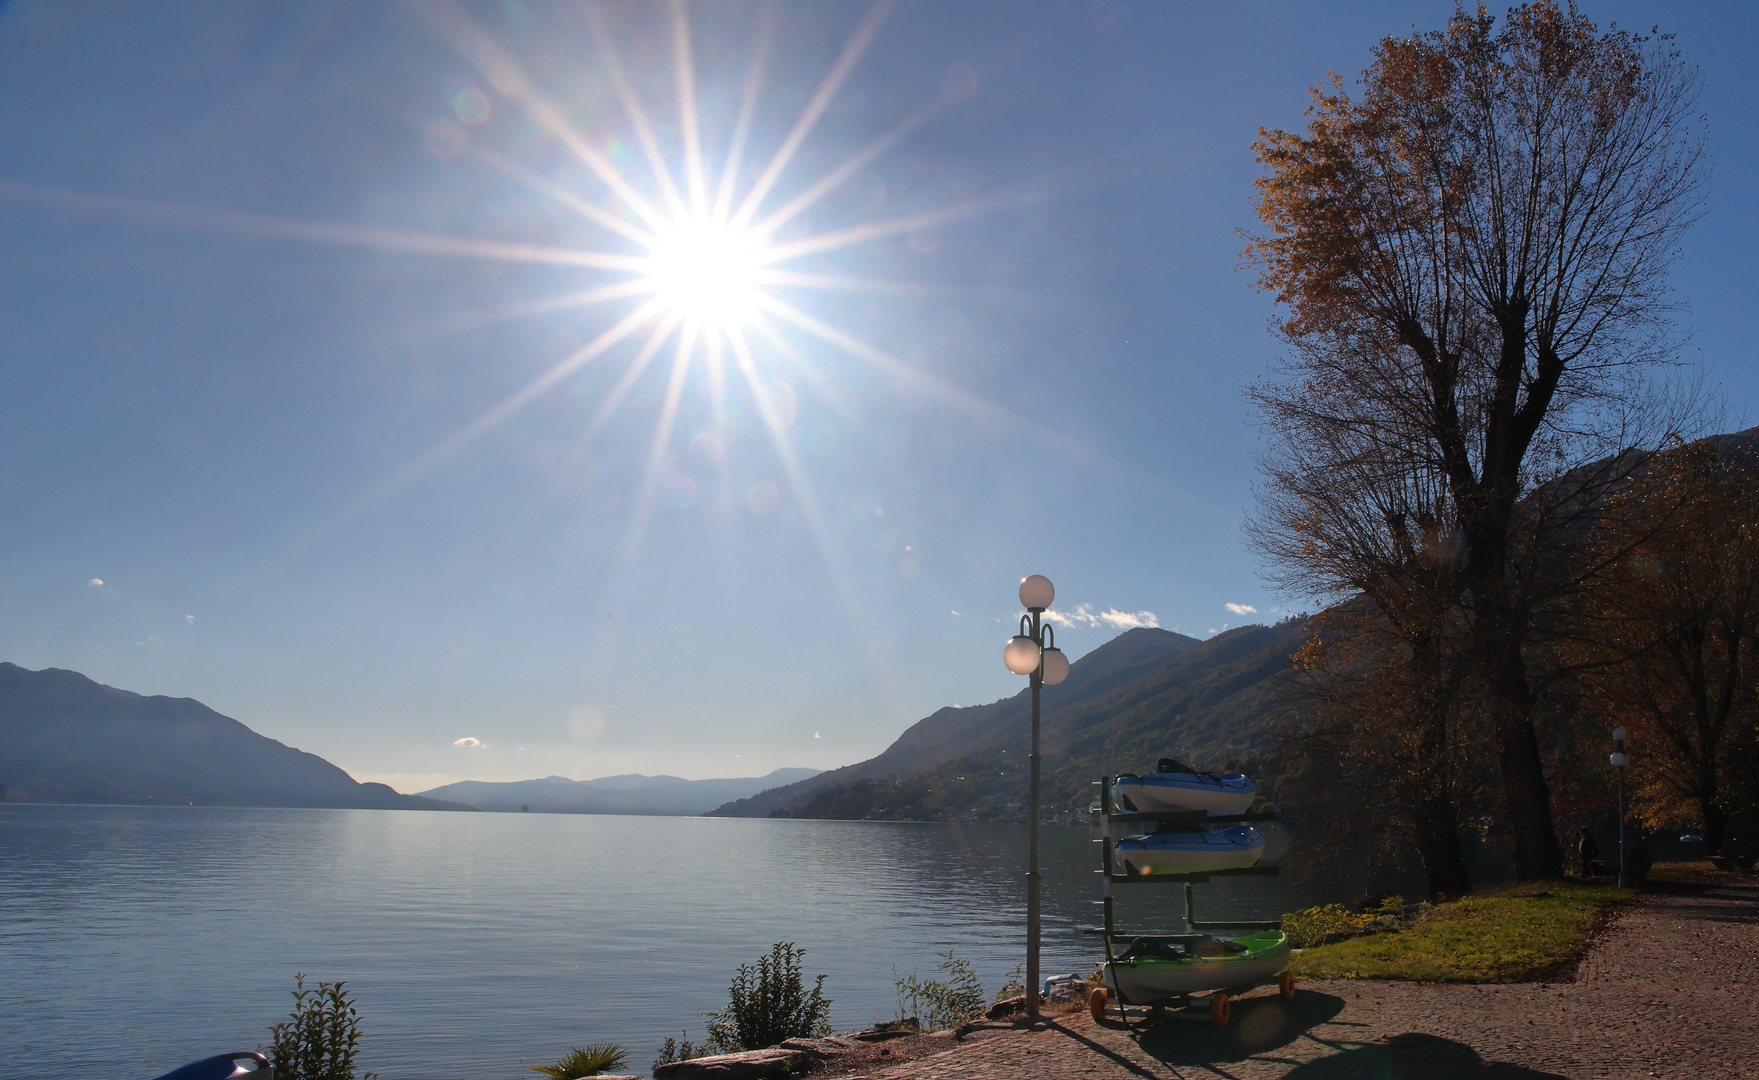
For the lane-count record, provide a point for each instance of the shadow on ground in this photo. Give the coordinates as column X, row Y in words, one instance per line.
column 1259, row 1024
column 1413, row 1056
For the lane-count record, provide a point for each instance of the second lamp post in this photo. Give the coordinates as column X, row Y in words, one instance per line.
column 1033, row 651
column 1619, row 760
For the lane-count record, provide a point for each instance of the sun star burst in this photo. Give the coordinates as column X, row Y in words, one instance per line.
column 707, row 271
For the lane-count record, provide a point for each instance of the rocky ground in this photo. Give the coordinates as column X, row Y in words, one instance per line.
column 1671, row 989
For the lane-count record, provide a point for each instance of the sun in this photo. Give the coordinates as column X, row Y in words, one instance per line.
column 706, row 271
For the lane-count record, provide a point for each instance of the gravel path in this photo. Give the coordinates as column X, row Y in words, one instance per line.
column 1670, row 990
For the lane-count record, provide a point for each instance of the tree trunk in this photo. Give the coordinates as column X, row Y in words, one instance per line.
column 1435, row 814
column 1438, row 844
column 1498, row 631
column 1538, row 856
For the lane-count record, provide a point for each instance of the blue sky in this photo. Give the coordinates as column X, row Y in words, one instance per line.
column 282, row 285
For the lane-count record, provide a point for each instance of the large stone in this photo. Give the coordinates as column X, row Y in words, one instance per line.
column 819, row 1048
column 1068, row 992
column 882, row 1036
column 746, row 1065
column 1007, row 1007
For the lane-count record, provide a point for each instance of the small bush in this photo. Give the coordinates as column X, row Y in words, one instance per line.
column 680, row 1049
column 945, row 1002
column 1390, row 904
column 318, row 1039
column 769, row 1003
column 590, row 1061
column 1314, row 925
column 1015, row 985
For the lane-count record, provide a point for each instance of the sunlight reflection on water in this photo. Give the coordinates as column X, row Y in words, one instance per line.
column 135, row 939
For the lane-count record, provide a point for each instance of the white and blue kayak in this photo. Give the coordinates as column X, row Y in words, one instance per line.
column 1175, row 788
column 1189, row 852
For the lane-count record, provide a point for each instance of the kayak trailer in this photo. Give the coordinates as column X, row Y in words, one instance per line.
column 1195, row 972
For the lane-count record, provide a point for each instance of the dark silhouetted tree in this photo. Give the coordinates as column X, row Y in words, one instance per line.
column 1472, row 256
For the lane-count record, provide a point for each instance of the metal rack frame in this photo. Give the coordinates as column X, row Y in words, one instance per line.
column 1190, row 820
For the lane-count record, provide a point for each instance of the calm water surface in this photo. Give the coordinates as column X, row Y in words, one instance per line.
column 134, row 939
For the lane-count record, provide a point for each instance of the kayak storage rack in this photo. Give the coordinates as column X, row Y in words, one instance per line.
column 1212, row 1006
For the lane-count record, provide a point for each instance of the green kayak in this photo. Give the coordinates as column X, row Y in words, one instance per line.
column 1156, row 968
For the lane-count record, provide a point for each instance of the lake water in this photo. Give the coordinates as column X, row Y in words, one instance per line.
column 133, row 939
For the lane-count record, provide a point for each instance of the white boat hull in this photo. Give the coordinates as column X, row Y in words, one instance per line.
column 1189, row 853
column 1163, row 793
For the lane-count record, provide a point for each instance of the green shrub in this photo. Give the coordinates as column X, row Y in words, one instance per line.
column 1015, row 985
column 594, row 1059
column 318, row 1039
column 945, row 1002
column 769, row 1003
column 680, row 1049
column 1314, row 925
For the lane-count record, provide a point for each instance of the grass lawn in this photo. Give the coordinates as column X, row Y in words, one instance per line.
column 1696, row 872
column 1525, row 933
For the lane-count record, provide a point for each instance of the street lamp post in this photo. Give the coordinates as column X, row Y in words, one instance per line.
column 1619, row 760
column 1033, row 651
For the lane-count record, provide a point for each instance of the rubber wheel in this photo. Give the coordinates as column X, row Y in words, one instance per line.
column 1219, row 1009
column 1285, row 985
column 1096, row 1002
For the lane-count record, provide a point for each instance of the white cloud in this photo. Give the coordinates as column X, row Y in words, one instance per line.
column 95, row 582
column 1129, row 620
column 470, row 742
column 1084, row 615
column 1241, row 609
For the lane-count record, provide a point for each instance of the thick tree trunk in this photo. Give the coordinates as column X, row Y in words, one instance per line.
column 1498, row 631
column 1527, row 796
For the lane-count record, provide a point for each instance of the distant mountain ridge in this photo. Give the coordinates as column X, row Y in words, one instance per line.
column 631, row 793
column 1144, row 693
column 65, row 738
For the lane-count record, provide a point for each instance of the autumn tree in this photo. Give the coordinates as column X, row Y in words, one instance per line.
column 1472, row 256
column 1668, row 645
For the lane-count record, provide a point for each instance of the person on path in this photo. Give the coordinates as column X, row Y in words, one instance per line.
column 1587, row 850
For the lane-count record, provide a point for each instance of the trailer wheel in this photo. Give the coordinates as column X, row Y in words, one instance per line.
column 1285, row 985
column 1219, row 1009
column 1096, row 1002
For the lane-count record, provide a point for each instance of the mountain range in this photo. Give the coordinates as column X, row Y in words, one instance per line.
column 65, row 738
column 632, row 793
column 1145, row 694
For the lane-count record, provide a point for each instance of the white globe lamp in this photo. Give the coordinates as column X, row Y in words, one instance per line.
column 1021, row 655
column 1056, row 666
column 1037, row 592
